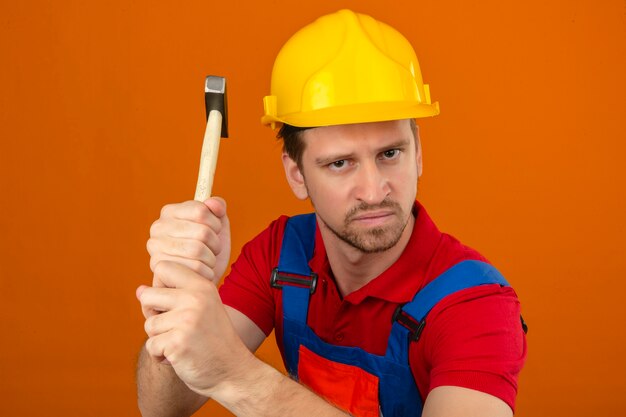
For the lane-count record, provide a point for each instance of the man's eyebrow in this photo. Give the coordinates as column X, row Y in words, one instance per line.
column 325, row 160
column 400, row 143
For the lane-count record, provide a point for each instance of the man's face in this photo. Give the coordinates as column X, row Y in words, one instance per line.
column 362, row 181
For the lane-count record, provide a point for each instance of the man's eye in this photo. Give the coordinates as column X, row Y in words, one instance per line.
column 391, row 153
column 338, row 164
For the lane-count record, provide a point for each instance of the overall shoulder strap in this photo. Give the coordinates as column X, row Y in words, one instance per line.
column 461, row 276
column 298, row 243
column 293, row 273
column 409, row 320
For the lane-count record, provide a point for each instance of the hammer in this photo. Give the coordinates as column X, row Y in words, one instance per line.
column 216, row 127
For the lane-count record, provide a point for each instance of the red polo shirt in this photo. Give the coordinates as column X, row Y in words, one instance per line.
column 472, row 339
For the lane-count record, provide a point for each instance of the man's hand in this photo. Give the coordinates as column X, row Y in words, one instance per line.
column 193, row 234
column 207, row 344
column 193, row 332
column 189, row 250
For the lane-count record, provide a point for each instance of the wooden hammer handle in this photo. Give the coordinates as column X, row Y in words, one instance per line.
column 208, row 159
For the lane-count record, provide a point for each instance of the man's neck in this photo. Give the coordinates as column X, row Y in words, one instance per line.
column 353, row 268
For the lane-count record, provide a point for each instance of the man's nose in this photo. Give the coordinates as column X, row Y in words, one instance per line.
column 371, row 185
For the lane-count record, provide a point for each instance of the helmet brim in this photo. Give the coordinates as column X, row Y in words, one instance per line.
column 356, row 113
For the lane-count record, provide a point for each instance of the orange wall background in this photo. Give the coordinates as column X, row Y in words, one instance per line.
column 101, row 123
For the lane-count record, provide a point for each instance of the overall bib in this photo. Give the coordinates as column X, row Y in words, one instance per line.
column 361, row 383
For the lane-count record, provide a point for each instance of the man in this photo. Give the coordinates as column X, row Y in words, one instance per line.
column 376, row 312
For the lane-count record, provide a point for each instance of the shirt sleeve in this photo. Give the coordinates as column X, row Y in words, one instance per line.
column 473, row 339
column 247, row 287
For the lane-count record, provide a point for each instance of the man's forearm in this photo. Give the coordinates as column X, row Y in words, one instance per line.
column 265, row 392
column 161, row 393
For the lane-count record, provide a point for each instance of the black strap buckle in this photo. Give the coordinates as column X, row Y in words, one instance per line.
column 415, row 327
column 278, row 280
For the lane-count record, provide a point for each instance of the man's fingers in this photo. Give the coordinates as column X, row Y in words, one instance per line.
column 194, row 211
column 158, row 299
column 183, row 248
column 139, row 291
column 193, row 264
column 147, row 311
column 177, row 228
column 169, row 346
column 160, row 323
column 155, row 346
column 217, row 205
column 175, row 275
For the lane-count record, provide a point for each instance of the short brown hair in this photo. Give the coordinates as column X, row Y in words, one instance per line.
column 293, row 144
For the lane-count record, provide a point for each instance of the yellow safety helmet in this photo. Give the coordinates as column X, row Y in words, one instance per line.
column 346, row 68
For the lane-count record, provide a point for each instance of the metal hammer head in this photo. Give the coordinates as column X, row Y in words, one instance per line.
column 215, row 99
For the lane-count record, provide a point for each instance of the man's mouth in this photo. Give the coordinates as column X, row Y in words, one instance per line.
column 372, row 218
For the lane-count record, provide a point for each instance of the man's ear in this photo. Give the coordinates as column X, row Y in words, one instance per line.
column 418, row 151
column 294, row 177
